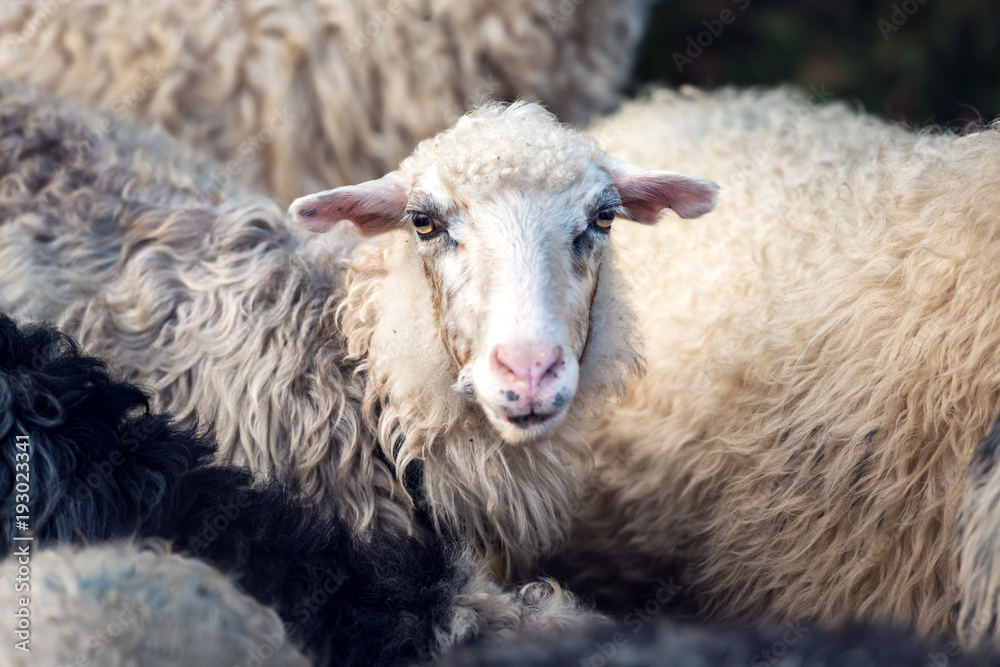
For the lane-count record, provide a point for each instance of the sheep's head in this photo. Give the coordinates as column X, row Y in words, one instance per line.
column 510, row 214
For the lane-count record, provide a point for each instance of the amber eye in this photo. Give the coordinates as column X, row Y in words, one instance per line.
column 604, row 218
column 423, row 224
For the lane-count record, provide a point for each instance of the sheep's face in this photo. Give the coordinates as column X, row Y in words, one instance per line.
column 510, row 216
column 512, row 276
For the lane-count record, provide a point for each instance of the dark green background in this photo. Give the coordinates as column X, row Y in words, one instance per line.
column 942, row 66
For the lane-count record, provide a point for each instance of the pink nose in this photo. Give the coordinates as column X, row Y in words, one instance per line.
column 530, row 366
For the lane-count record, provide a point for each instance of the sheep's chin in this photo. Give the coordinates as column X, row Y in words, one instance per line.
column 520, row 434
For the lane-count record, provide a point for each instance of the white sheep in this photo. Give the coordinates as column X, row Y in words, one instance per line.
column 127, row 604
column 296, row 96
column 471, row 340
column 823, row 358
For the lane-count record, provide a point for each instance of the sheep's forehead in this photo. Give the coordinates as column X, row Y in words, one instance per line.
column 517, row 146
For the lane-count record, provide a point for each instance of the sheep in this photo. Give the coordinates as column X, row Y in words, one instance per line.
column 822, row 354
column 125, row 605
column 668, row 642
column 977, row 533
column 371, row 371
column 102, row 468
column 292, row 97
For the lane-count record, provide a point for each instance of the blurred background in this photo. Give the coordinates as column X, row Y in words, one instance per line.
column 920, row 62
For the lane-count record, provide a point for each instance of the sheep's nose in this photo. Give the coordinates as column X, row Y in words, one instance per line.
column 530, row 367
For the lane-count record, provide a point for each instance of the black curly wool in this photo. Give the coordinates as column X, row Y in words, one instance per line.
column 665, row 643
column 103, row 467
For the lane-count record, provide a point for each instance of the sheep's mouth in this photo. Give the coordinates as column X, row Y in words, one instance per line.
column 530, row 419
column 525, row 428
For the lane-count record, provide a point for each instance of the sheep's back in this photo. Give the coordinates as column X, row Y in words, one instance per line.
column 295, row 97
column 822, row 357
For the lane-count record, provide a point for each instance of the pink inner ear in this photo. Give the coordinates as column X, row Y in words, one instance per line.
column 374, row 207
column 306, row 212
column 369, row 212
column 646, row 192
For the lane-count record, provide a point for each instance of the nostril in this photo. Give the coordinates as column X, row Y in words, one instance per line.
column 506, row 366
column 552, row 365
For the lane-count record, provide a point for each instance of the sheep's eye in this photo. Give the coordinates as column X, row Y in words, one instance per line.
column 424, row 224
column 605, row 218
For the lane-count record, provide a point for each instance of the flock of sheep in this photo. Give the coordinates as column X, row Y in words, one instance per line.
column 503, row 402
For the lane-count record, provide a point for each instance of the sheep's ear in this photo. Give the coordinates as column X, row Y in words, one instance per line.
column 374, row 206
column 646, row 192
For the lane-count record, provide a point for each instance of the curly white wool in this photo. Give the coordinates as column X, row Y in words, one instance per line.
column 488, row 148
column 822, row 362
